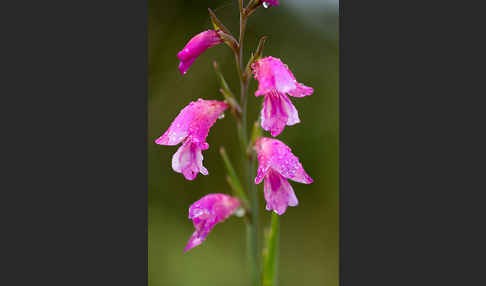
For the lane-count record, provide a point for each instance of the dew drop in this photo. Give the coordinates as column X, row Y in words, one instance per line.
column 240, row 212
column 221, row 116
column 265, row 4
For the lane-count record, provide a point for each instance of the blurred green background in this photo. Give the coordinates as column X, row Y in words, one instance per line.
column 304, row 34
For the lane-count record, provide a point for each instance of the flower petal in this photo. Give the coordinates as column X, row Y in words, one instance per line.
column 195, row 47
column 206, row 213
column 292, row 114
column 274, row 154
column 278, row 193
column 274, row 115
column 301, row 91
column 194, row 120
column 188, row 160
column 272, row 75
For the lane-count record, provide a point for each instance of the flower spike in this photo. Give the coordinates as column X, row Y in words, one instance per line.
column 276, row 165
column 275, row 81
column 206, row 213
column 195, row 47
column 191, row 127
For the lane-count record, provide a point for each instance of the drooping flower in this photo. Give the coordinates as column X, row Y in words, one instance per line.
column 206, row 213
column 195, row 47
column 191, row 127
column 276, row 165
column 275, row 81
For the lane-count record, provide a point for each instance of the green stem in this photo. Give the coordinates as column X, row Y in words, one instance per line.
column 253, row 225
column 270, row 265
column 233, row 178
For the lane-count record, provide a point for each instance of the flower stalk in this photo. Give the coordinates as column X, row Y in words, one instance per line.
column 249, row 159
column 276, row 161
column 271, row 253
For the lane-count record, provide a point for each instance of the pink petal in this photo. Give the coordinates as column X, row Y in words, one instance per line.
column 293, row 115
column 195, row 47
column 272, row 75
column 273, row 115
column 194, row 120
column 277, row 112
column 188, row 160
column 274, row 154
column 301, row 91
column 278, row 193
column 192, row 126
column 206, row 213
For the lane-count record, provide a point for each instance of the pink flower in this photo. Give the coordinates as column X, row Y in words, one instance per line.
column 275, row 80
column 276, row 165
column 191, row 127
column 206, row 213
column 196, row 46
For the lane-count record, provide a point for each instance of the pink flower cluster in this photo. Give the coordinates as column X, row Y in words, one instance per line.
column 277, row 163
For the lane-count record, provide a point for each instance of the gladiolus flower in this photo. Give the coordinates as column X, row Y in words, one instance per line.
column 195, row 47
column 276, row 165
column 191, row 127
column 207, row 212
column 275, row 81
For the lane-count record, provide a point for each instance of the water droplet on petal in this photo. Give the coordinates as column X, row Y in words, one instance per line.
column 265, row 4
column 221, row 116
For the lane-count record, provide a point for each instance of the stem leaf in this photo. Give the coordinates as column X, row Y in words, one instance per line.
column 256, row 56
column 218, row 25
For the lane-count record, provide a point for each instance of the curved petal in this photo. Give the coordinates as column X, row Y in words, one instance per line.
column 206, row 112
column 301, row 91
column 292, row 114
column 278, row 193
column 274, row 154
column 206, row 213
column 262, row 170
column 188, row 160
column 194, row 120
column 195, row 47
column 272, row 75
column 273, row 117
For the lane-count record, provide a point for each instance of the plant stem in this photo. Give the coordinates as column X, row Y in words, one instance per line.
column 253, row 243
column 270, row 266
column 253, row 225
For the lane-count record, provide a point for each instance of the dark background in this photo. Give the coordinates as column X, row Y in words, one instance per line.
column 304, row 34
